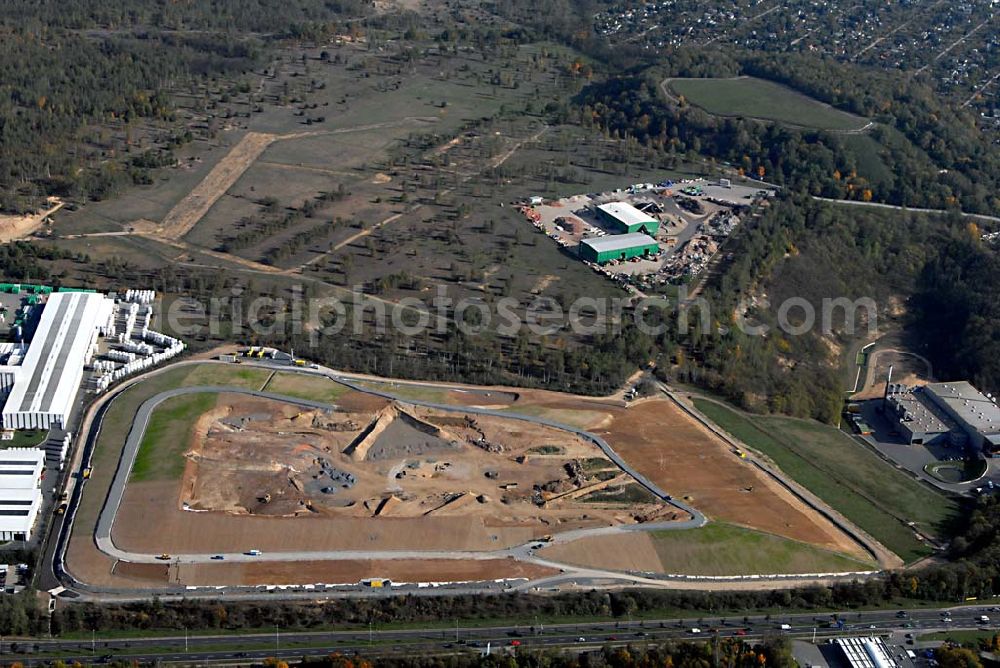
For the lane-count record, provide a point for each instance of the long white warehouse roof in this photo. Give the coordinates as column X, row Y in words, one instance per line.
column 18, row 509
column 49, row 377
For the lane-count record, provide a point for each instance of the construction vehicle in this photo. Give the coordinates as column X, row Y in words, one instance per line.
column 86, row 473
column 378, row 583
column 164, row 557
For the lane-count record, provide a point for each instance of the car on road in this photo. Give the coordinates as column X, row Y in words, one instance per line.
column 218, row 557
column 612, row 638
column 740, row 632
column 253, row 553
column 581, row 639
column 164, row 557
column 695, row 630
column 515, row 643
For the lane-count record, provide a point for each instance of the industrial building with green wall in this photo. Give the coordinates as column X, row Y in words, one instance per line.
column 618, row 247
column 622, row 217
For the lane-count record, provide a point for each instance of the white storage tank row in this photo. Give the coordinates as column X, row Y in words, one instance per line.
column 140, row 296
column 138, row 364
column 120, row 356
column 138, row 348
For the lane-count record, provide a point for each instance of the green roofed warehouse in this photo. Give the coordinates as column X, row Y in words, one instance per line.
column 622, row 217
column 618, row 247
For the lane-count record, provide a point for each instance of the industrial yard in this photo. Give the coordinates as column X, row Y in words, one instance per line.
column 647, row 234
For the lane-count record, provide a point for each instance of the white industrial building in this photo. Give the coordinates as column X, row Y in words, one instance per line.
column 21, row 468
column 43, row 387
column 866, row 652
column 20, row 491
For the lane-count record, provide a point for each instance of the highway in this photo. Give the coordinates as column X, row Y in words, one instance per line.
column 445, row 639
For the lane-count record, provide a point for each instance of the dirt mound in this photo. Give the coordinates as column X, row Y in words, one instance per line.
column 395, row 433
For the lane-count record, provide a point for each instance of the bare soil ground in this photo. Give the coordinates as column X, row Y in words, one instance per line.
column 18, row 227
column 348, row 571
column 633, row 551
column 272, row 476
column 691, row 462
column 908, row 368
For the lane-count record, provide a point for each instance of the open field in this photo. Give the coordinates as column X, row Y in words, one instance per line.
column 317, row 388
column 196, row 204
column 160, row 453
column 758, row 98
column 721, row 549
column 715, row 549
column 680, row 455
column 875, row 496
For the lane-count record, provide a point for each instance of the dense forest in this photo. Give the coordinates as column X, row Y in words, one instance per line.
column 956, row 311
column 926, row 153
column 65, row 97
column 237, row 16
column 802, row 248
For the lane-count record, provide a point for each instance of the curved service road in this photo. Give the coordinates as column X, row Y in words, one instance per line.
column 105, row 521
column 569, row 574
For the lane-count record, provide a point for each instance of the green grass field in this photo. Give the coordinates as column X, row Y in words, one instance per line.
column 724, row 549
column 758, row 98
column 857, row 483
column 25, row 438
column 299, row 385
column 968, row 638
column 232, row 375
column 160, row 455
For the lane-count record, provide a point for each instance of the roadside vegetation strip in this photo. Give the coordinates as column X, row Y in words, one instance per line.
column 161, row 453
column 758, row 98
column 867, row 491
column 726, row 549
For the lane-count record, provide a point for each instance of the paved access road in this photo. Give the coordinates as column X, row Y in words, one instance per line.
column 526, row 552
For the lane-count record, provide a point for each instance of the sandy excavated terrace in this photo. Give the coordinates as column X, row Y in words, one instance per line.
column 375, row 475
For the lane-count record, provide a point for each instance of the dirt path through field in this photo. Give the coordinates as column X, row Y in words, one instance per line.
column 18, row 227
column 186, row 213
